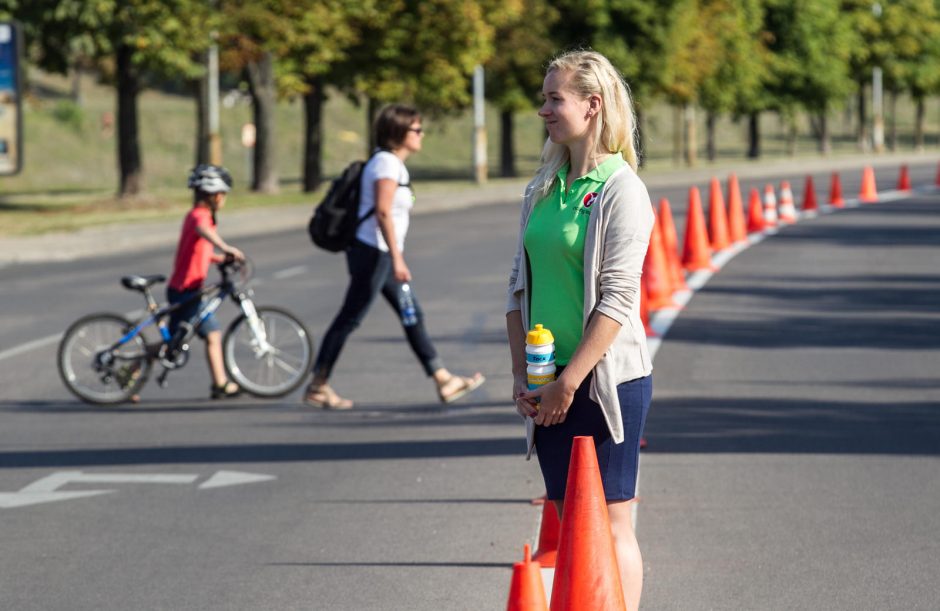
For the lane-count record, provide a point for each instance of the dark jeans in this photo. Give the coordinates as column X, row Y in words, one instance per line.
column 370, row 271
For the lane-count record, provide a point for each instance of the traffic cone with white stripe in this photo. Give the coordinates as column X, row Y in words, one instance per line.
column 737, row 228
column 755, row 215
column 835, row 192
column 770, row 207
column 526, row 592
column 787, row 210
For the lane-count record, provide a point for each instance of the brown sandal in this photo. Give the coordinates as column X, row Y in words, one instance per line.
column 324, row 397
column 467, row 385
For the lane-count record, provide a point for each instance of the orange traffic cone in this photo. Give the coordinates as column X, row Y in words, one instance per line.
column 755, row 214
column 737, row 228
column 645, row 311
column 656, row 273
column 835, row 192
column 696, row 253
column 717, row 217
column 548, row 536
column 787, row 210
column 869, row 193
column 938, row 175
column 526, row 592
column 904, row 180
column 671, row 246
column 586, row 575
column 809, row 196
column 770, row 206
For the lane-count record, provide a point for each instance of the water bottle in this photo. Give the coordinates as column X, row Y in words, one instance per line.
column 540, row 357
column 406, row 305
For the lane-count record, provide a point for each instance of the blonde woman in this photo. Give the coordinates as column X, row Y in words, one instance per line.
column 584, row 231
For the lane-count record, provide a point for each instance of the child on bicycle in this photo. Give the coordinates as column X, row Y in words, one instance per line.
column 195, row 252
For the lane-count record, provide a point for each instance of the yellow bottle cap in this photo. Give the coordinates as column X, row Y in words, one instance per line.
column 539, row 335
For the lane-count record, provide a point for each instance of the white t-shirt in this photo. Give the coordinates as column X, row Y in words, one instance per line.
column 384, row 165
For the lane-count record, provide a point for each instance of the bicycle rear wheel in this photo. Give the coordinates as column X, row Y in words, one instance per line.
column 94, row 371
column 272, row 361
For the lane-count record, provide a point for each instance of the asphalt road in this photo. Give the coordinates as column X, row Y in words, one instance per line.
column 793, row 438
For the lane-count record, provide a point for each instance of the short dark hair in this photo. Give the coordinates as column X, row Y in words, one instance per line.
column 392, row 124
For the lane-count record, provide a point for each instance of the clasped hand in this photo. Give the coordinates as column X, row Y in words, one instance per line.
column 547, row 404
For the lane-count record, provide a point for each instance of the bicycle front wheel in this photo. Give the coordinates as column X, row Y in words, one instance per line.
column 270, row 359
column 94, row 368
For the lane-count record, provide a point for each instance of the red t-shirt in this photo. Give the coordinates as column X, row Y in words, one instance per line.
column 194, row 252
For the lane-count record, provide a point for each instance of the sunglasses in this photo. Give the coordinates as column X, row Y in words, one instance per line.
column 417, row 130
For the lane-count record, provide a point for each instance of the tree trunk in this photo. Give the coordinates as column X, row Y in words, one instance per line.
column 710, row 148
column 919, row 125
column 863, row 143
column 201, row 93
column 507, row 153
column 640, row 137
column 77, row 97
column 313, row 134
column 825, row 140
column 691, row 139
column 261, row 84
column 753, row 136
column 128, row 86
column 677, row 136
column 791, row 136
column 892, row 121
column 372, row 110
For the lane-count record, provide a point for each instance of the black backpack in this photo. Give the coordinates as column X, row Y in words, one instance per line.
column 335, row 219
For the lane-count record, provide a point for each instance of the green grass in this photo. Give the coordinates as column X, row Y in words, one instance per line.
column 69, row 177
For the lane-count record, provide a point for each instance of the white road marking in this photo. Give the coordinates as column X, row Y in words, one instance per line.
column 46, row 489
column 290, row 272
column 234, row 478
column 33, row 345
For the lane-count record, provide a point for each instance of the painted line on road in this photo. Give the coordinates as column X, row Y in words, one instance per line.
column 33, row 345
column 290, row 272
column 36, row 344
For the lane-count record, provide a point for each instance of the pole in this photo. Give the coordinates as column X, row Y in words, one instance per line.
column 215, row 141
column 479, row 127
column 877, row 99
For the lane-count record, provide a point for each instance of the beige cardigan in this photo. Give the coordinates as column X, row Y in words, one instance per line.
column 615, row 245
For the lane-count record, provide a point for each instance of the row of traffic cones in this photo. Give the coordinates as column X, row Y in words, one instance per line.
column 586, row 572
column 664, row 268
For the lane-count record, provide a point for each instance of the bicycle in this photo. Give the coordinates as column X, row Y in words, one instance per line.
column 105, row 358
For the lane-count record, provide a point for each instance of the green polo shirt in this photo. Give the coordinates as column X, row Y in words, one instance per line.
column 554, row 244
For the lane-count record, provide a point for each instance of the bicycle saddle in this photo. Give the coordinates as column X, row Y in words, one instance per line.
column 142, row 283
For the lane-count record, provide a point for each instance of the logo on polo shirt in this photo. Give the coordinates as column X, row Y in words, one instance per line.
column 589, row 199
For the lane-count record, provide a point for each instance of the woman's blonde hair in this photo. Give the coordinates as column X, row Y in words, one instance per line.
column 593, row 74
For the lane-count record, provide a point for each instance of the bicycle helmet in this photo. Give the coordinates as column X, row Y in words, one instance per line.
column 210, row 179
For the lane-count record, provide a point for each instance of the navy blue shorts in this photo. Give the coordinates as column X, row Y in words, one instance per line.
column 618, row 462
column 188, row 311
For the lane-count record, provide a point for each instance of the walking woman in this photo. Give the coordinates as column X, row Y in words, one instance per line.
column 584, row 231
column 376, row 263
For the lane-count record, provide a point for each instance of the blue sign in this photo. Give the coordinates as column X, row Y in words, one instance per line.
column 11, row 116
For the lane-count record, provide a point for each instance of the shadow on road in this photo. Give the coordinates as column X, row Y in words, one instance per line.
column 793, row 426
column 266, row 453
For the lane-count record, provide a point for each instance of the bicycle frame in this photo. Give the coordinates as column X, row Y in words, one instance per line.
column 219, row 291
